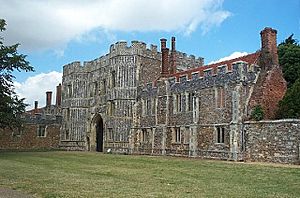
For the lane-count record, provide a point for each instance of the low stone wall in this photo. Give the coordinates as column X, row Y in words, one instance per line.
column 272, row 141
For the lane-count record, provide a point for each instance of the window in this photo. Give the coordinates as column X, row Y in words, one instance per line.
column 148, row 106
column 110, row 134
column 41, row 131
column 153, row 106
column 113, row 79
column 143, row 135
column 220, row 135
column 111, row 108
column 220, row 97
column 95, row 88
column 67, row 134
column 17, row 132
column 190, row 101
column 104, row 86
column 177, row 135
column 178, row 103
column 69, row 91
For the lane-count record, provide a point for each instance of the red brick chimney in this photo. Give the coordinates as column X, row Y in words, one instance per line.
column 165, row 58
column 58, row 95
column 48, row 98
column 173, row 57
column 269, row 56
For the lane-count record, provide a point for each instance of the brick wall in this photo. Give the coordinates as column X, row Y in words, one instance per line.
column 27, row 138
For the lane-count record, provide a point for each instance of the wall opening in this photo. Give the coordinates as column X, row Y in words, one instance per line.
column 97, row 133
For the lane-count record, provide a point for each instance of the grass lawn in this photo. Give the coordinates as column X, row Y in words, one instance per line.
column 82, row 174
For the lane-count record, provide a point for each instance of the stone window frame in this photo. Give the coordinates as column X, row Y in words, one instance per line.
column 153, row 106
column 69, row 91
column 41, row 131
column 95, row 86
column 220, row 97
column 104, row 87
column 143, row 135
column 111, row 110
column 220, row 134
column 176, row 135
column 190, row 97
column 17, row 132
column 67, row 134
column 148, row 106
column 110, row 134
column 177, row 103
column 113, row 79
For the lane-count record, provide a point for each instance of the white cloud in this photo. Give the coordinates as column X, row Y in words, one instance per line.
column 231, row 56
column 52, row 24
column 35, row 87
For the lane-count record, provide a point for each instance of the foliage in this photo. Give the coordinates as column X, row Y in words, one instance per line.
column 10, row 60
column 257, row 113
column 289, row 106
column 78, row 174
column 289, row 59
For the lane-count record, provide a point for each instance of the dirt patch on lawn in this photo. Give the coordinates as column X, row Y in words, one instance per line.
column 9, row 193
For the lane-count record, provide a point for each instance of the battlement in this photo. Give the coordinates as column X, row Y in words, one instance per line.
column 75, row 66
column 188, row 61
column 218, row 68
column 241, row 66
column 121, row 47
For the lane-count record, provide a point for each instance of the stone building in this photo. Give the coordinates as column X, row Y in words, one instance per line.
column 41, row 128
column 99, row 97
column 140, row 101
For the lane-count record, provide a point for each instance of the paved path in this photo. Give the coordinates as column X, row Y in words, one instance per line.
column 9, row 193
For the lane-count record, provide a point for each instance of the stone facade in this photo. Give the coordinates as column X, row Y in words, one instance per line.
column 99, row 97
column 137, row 100
column 272, row 141
column 140, row 101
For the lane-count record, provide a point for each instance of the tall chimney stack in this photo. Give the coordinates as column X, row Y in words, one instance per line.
column 48, row 98
column 58, row 95
column 36, row 103
column 269, row 56
column 173, row 44
column 173, row 56
column 165, row 58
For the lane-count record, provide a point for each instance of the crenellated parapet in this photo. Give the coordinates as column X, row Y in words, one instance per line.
column 135, row 48
column 73, row 67
column 243, row 69
column 185, row 61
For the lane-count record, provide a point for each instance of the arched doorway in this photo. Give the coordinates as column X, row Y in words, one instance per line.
column 97, row 131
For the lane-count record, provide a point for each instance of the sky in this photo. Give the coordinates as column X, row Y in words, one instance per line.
column 53, row 33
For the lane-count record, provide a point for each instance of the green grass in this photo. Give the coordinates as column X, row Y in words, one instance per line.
column 82, row 174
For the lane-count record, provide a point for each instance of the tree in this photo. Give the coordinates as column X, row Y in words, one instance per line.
column 257, row 113
column 289, row 106
column 289, row 59
column 11, row 107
